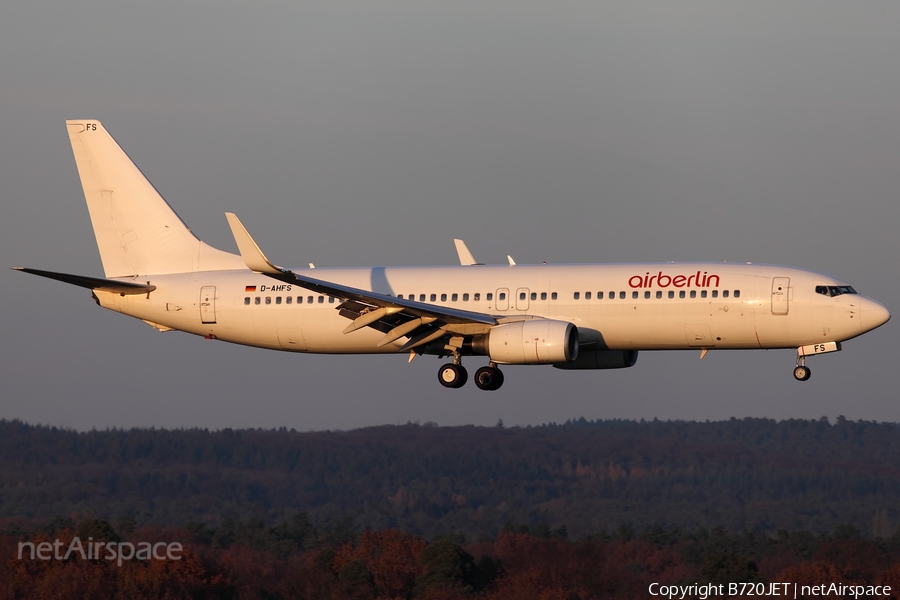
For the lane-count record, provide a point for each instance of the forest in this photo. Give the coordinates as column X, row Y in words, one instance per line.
column 578, row 510
column 582, row 477
column 298, row 560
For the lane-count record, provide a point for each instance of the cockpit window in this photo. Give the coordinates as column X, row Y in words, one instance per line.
column 834, row 290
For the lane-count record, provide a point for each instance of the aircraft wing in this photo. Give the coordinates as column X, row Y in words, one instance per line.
column 422, row 323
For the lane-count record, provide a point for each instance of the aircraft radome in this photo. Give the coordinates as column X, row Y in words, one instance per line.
column 578, row 316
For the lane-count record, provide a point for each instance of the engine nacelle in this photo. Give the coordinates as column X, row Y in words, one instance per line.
column 602, row 359
column 532, row 342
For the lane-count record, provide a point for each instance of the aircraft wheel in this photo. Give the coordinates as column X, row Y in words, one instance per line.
column 452, row 376
column 488, row 378
column 802, row 373
column 498, row 379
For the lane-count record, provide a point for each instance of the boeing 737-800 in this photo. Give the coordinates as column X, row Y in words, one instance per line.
column 590, row 316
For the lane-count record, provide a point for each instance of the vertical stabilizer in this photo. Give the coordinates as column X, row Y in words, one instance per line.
column 137, row 232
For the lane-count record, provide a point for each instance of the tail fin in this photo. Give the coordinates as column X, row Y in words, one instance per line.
column 137, row 232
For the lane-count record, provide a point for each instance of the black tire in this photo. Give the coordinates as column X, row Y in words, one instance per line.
column 485, row 378
column 488, row 378
column 452, row 376
column 802, row 373
column 498, row 379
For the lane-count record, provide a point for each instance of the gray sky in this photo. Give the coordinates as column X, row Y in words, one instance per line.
column 373, row 133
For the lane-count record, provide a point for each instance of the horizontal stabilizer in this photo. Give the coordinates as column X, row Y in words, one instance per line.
column 93, row 283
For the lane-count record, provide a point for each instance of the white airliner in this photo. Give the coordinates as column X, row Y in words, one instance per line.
column 592, row 316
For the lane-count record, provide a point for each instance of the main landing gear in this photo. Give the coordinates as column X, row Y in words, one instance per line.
column 454, row 375
column 801, row 371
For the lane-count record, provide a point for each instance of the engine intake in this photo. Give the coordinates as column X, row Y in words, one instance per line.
column 532, row 342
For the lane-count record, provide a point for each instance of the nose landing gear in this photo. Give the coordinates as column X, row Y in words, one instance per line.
column 801, row 371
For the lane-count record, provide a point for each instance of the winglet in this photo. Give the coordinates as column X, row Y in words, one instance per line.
column 465, row 257
column 250, row 252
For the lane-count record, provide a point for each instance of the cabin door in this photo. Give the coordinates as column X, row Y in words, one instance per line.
column 208, row 304
column 781, row 287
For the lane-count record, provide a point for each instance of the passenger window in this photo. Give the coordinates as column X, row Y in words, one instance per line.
column 465, row 297
column 693, row 293
column 646, row 294
column 612, row 295
column 658, row 294
column 703, row 293
column 502, row 296
column 577, row 295
column 278, row 300
column 490, row 296
column 715, row 293
column 268, row 299
column 681, row 294
column 587, row 295
column 634, row 295
column 725, row 294
column 247, row 300
column 256, row 300
column 309, row 299
column 521, row 295
column 443, row 297
column 671, row 294
column 288, row 300
column 433, row 297
column 553, row 296
column 621, row 295
column 534, row 295
column 454, row 297
column 543, row 295
column 476, row 297
column 599, row 295
column 330, row 299
column 321, row 299
column 737, row 293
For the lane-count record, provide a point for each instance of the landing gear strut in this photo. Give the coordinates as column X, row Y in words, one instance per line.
column 801, row 371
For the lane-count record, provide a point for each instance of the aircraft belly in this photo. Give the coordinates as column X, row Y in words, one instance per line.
column 664, row 328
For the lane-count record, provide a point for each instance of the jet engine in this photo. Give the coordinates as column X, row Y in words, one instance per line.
column 532, row 342
column 602, row 359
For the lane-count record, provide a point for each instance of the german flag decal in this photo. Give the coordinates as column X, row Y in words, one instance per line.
column 250, row 288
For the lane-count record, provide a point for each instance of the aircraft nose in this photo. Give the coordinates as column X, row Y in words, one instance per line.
column 872, row 315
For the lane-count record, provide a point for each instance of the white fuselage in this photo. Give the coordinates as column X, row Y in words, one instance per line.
column 652, row 306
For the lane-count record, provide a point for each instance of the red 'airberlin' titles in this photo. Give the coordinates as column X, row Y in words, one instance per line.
column 663, row 280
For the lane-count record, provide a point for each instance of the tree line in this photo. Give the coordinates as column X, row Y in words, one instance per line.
column 580, row 476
